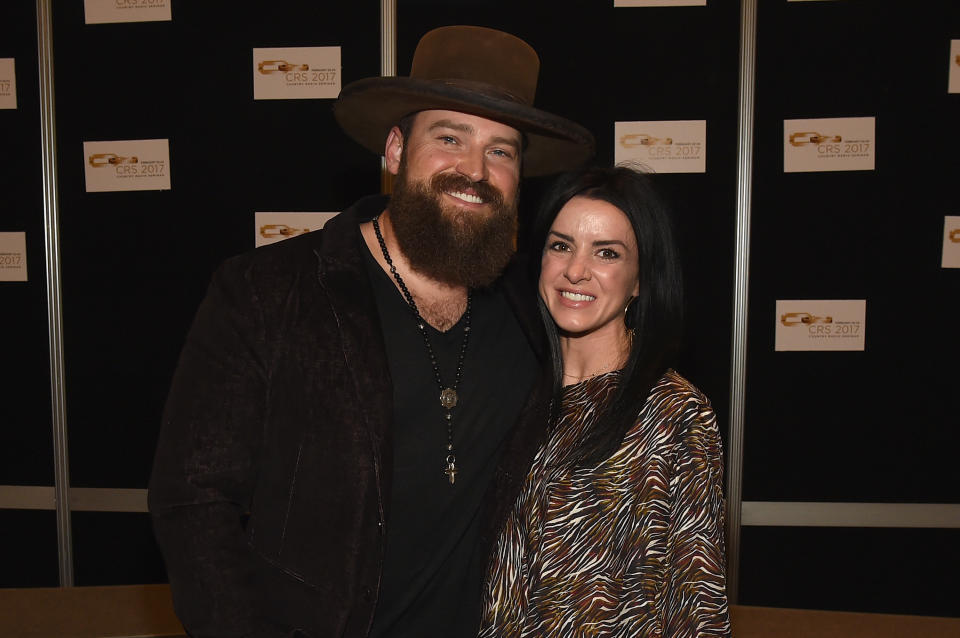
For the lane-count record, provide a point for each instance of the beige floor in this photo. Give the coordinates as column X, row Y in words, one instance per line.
column 145, row 611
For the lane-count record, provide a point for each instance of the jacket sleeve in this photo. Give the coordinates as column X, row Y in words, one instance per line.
column 695, row 600
column 206, row 460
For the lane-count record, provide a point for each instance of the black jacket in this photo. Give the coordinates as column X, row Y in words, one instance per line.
column 272, row 470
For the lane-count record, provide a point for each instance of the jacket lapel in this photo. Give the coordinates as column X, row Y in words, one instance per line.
column 343, row 277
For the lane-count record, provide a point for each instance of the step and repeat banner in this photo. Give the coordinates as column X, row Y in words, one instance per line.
column 177, row 122
column 29, row 553
column 852, row 372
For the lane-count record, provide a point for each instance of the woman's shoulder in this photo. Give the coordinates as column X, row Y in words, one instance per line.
column 677, row 408
column 676, row 416
column 674, row 389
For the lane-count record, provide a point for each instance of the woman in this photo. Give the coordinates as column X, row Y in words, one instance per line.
column 618, row 529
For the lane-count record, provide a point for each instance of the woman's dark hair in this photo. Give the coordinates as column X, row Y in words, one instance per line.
column 655, row 315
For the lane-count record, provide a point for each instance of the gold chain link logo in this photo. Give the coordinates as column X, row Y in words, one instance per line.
column 802, row 319
column 810, row 137
column 633, row 140
column 272, row 231
column 99, row 160
column 280, row 66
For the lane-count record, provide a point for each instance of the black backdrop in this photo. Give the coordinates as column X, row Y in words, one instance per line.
column 26, row 444
column 865, row 426
column 873, row 426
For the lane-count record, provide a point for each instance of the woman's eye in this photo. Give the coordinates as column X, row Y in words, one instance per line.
column 608, row 253
column 558, row 246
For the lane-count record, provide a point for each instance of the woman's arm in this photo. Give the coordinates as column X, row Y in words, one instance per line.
column 695, row 600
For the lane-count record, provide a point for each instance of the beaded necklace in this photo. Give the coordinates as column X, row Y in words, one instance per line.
column 448, row 395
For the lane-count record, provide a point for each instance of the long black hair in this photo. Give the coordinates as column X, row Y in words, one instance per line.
column 655, row 315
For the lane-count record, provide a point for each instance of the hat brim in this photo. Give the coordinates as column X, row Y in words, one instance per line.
column 367, row 109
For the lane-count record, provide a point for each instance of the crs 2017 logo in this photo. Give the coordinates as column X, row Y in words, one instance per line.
column 829, row 144
column 280, row 66
column 633, row 140
column 291, row 72
column 273, row 231
column 297, row 73
column 814, row 324
column 102, row 160
column 810, row 137
column 802, row 318
column 820, row 326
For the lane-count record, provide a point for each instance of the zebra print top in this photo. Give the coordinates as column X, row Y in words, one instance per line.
column 632, row 547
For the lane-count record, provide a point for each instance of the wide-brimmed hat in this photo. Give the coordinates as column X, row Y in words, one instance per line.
column 473, row 70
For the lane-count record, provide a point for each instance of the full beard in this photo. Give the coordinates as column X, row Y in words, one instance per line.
column 447, row 244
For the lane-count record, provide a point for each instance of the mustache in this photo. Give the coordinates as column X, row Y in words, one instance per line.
column 453, row 182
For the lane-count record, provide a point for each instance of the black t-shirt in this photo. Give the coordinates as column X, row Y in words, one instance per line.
column 432, row 526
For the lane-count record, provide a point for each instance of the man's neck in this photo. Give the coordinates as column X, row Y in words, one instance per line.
column 440, row 304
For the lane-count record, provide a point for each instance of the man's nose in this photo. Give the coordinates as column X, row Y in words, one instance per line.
column 473, row 165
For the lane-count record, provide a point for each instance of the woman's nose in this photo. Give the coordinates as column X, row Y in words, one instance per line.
column 577, row 270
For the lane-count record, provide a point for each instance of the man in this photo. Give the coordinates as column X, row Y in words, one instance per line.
column 344, row 428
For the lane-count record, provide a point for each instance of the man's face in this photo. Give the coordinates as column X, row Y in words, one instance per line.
column 486, row 154
column 454, row 203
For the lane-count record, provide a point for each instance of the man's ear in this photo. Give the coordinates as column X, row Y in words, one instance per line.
column 393, row 149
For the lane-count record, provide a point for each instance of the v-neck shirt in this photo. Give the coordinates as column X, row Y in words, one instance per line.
column 432, row 526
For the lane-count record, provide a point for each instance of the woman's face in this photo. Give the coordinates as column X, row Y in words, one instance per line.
column 590, row 268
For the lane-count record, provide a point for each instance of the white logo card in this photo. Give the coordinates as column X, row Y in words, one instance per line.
column 953, row 80
column 128, row 165
column 273, row 227
column 951, row 242
column 13, row 256
column 820, row 325
column 663, row 146
column 659, row 3
column 8, row 84
column 106, row 11
column 296, row 73
column 829, row 144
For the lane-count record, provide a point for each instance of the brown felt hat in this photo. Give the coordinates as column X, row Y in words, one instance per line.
column 472, row 70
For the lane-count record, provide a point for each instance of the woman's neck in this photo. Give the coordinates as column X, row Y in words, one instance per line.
column 588, row 355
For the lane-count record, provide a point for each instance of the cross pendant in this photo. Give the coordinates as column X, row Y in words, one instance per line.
column 451, row 472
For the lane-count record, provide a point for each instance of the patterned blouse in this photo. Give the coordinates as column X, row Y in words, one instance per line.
column 632, row 547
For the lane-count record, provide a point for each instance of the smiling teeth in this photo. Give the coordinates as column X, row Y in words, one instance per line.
column 575, row 296
column 473, row 199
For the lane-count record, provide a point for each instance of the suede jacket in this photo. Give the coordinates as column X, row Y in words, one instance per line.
column 272, row 472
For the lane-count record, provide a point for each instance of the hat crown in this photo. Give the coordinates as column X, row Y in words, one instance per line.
column 483, row 60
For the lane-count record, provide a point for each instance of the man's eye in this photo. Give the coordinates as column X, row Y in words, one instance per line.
column 502, row 153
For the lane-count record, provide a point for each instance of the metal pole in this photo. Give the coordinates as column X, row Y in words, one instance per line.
column 51, row 222
column 388, row 67
column 738, row 363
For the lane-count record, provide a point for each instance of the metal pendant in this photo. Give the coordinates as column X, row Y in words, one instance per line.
column 451, row 470
column 448, row 398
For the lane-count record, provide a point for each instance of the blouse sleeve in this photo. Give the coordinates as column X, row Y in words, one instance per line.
column 695, row 599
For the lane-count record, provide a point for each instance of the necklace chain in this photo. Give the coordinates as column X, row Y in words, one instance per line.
column 448, row 395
